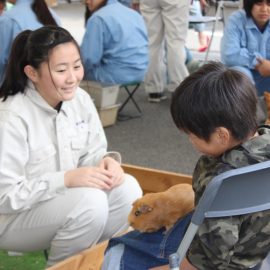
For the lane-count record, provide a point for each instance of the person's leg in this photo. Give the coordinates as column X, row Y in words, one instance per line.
column 112, row 259
column 66, row 224
column 152, row 15
column 120, row 203
column 175, row 16
column 189, row 56
column 136, row 250
column 195, row 10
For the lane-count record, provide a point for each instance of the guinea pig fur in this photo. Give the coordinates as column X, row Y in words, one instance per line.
column 162, row 209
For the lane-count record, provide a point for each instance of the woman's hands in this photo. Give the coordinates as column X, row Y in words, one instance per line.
column 107, row 175
column 115, row 169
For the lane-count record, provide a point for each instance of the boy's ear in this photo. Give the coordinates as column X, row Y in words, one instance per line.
column 31, row 73
column 224, row 135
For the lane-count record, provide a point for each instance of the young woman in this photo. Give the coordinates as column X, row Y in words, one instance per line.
column 59, row 187
column 25, row 14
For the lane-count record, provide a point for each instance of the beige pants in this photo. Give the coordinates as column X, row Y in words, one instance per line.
column 166, row 20
column 72, row 221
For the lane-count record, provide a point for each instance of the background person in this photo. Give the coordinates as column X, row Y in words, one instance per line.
column 115, row 44
column 245, row 43
column 25, row 14
column 195, row 9
column 60, row 188
column 166, row 21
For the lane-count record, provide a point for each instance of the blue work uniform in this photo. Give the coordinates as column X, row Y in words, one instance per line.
column 115, row 45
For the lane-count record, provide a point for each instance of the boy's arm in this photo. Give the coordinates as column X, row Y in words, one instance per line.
column 215, row 238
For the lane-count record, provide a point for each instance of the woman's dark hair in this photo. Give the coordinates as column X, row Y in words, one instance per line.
column 88, row 13
column 43, row 13
column 212, row 97
column 248, row 5
column 31, row 48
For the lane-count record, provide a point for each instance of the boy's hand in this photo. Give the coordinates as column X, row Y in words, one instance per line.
column 263, row 67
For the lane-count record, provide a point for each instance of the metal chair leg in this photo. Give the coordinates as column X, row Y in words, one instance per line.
column 122, row 117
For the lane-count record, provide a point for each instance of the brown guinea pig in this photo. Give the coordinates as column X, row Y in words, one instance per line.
column 162, row 209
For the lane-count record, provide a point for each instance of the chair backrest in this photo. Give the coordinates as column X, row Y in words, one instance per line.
column 235, row 192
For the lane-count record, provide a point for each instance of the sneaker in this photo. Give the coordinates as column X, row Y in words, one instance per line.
column 156, row 97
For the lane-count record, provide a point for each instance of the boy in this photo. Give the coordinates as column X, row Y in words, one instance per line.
column 216, row 108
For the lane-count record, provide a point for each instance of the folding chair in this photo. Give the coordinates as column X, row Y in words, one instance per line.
column 236, row 192
column 131, row 89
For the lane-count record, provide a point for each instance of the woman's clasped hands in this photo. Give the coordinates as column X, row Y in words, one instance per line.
column 107, row 175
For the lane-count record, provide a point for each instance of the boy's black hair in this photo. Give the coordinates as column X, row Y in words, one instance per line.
column 248, row 5
column 215, row 96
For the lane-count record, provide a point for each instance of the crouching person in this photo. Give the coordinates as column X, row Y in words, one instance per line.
column 59, row 187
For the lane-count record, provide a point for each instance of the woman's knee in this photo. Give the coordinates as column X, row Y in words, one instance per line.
column 122, row 197
column 92, row 207
column 131, row 188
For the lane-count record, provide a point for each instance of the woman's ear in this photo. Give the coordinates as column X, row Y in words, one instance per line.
column 31, row 73
column 224, row 135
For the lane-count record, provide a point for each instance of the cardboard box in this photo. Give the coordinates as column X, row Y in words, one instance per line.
column 103, row 95
column 108, row 115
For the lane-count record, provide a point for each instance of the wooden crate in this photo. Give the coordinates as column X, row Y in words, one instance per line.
column 150, row 180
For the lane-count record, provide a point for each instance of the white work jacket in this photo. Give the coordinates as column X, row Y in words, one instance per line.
column 38, row 145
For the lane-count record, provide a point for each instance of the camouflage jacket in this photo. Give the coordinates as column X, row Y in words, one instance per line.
column 238, row 242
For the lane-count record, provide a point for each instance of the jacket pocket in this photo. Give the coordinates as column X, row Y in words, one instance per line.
column 42, row 161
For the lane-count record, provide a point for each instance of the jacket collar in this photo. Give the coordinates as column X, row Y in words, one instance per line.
column 32, row 93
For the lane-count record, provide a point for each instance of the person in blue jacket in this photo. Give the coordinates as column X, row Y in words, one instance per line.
column 246, row 42
column 115, row 45
column 25, row 15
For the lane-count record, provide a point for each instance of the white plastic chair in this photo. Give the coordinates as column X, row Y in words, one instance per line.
column 235, row 192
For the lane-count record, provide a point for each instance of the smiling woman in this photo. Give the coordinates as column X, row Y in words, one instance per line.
column 58, row 79
column 60, row 188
